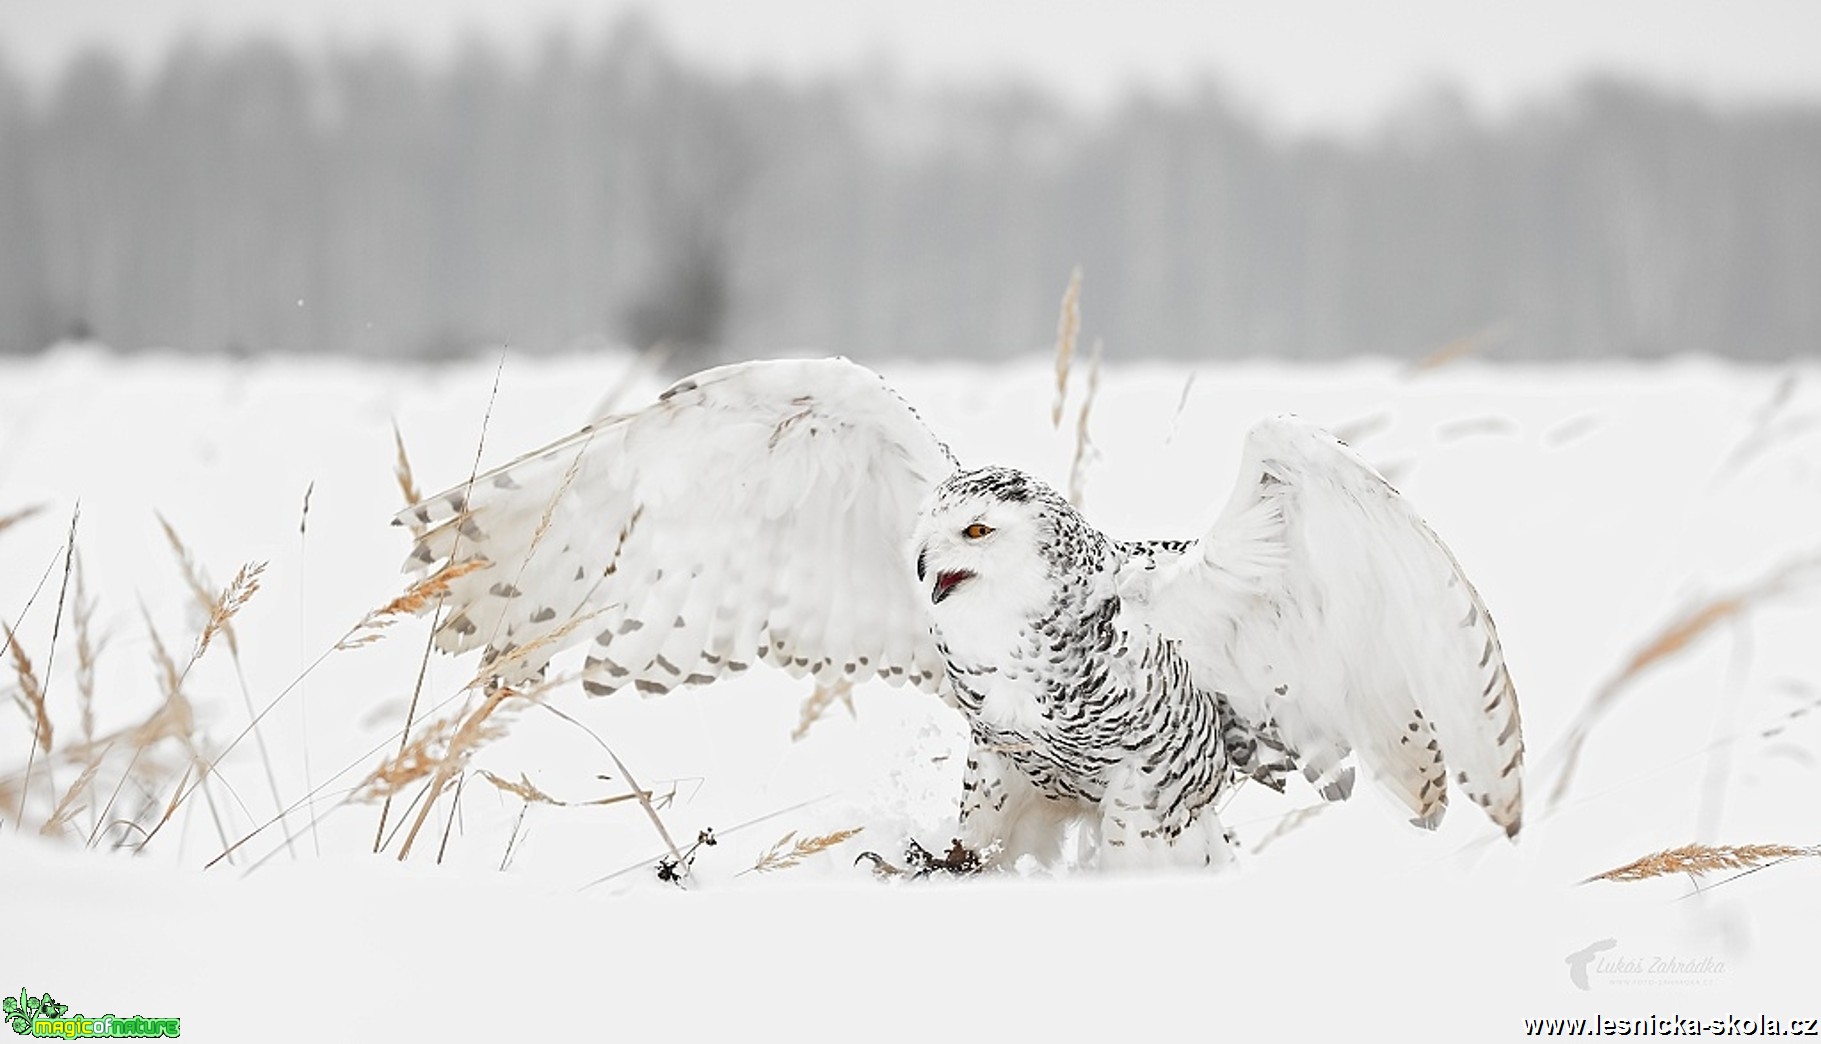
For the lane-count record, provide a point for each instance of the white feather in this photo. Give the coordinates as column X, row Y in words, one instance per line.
column 1320, row 600
column 747, row 501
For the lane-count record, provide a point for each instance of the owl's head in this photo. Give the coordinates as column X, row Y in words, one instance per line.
column 993, row 540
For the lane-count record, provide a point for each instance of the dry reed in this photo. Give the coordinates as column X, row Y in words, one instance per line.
column 88, row 651
column 1182, row 405
column 522, row 788
column 232, row 600
column 413, row 763
column 1809, row 699
column 1676, row 636
column 201, row 591
column 818, row 703
column 66, row 807
column 475, row 729
column 1698, row 860
column 9, row 521
column 791, row 850
column 218, row 612
column 423, row 667
column 1453, row 351
column 32, row 691
column 1085, row 453
column 1460, row 348
column 1772, row 425
column 522, row 655
column 1292, row 821
column 29, row 693
column 176, row 717
column 418, row 597
column 431, row 587
column 529, row 792
column 401, row 471
column 1068, row 328
column 639, row 792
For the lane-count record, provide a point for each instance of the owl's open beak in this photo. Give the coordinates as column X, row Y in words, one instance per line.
column 946, row 582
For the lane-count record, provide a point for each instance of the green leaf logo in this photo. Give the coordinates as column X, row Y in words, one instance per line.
column 16, row 1010
column 21, row 1011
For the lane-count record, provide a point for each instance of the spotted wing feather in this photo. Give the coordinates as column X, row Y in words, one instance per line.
column 755, row 513
column 1327, row 610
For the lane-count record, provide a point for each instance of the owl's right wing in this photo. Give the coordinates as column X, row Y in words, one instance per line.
column 1335, row 619
column 759, row 512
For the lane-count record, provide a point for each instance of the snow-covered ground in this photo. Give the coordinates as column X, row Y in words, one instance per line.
column 1592, row 506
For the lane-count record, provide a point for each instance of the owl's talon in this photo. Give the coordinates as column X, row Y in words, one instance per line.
column 881, row 868
column 960, row 861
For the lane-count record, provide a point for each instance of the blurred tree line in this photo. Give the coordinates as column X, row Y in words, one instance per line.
column 249, row 200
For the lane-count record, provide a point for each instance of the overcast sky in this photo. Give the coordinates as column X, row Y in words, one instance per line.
column 1310, row 64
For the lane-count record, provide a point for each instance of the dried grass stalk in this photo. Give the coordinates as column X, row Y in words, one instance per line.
column 1460, row 348
column 1771, row 427
column 200, row 588
column 1453, row 351
column 562, row 490
column 404, row 736
column 217, row 609
column 790, row 850
column 303, row 515
column 88, row 651
column 1068, row 328
column 170, row 679
column 1085, row 453
column 174, row 718
column 529, row 792
column 178, row 794
column 356, row 641
column 31, row 691
column 447, row 761
column 30, row 694
column 430, row 588
column 1679, row 634
column 218, row 612
column 231, row 601
column 401, row 470
column 522, row 788
column 818, row 703
column 1696, row 860
column 8, row 521
column 1290, row 823
column 1182, row 404
column 1809, row 700
column 11, row 796
column 521, row 655
column 640, row 794
column 418, row 597
column 1676, row 636
column 66, row 805
column 415, row 762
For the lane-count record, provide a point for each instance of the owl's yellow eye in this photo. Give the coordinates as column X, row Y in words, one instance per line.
column 976, row 530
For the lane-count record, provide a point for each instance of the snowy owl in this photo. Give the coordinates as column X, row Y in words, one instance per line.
column 800, row 514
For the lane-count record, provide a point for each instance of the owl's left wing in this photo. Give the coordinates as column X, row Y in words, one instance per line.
column 1337, row 622
column 759, row 512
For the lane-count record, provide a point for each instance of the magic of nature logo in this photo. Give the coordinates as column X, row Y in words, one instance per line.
column 44, row 1016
